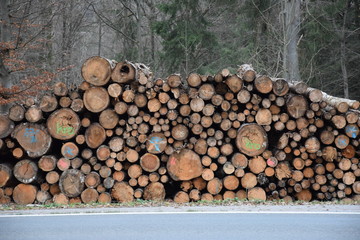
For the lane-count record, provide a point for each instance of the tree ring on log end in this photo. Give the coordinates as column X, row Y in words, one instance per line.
column 33, row 138
column 156, row 143
column 72, row 182
column 63, row 124
column 251, row 140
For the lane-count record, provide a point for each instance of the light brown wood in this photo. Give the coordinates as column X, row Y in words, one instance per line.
column 154, row 191
column 122, row 192
column 63, row 124
column 184, row 165
column 33, row 138
column 124, row 72
column 251, row 139
column 24, row 194
column 97, row 70
column 96, row 99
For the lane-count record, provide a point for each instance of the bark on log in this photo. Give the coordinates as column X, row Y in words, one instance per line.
column 25, row 171
column 6, row 126
column 246, row 72
column 5, row 174
column 17, row 112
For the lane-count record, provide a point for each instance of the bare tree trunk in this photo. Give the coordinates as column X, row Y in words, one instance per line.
column 4, row 37
column 291, row 11
column 100, row 35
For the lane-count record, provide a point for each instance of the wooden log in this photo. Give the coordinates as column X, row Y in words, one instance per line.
column 95, row 135
column 59, row 89
column 61, row 199
column 156, row 143
column 194, row 80
column 249, row 180
column 256, row 193
column 63, row 124
column 52, row 177
column 92, row 180
column 296, row 106
column 174, row 80
column 154, row 105
column 246, row 72
column 312, row 145
column 181, row 197
column 352, row 130
column 124, row 72
column 43, row 196
column 149, row 162
column 104, row 198
column 263, row 116
column 72, row 182
column 206, row 91
column 257, row 164
column 280, row 87
column 25, row 171
column 47, row 163
column 184, row 165
column 122, row 192
column 114, row 90
column 116, row 144
column 305, row 195
column 329, row 153
column 103, row 153
column 6, row 126
column 69, row 150
column 180, row 132
column 341, row 104
column 234, row 83
column 97, row 70
column 349, row 178
column 154, row 191
column 108, row 119
column 24, row 194
column 89, row 195
column 282, row 171
column 327, row 137
column 5, row 174
column 214, row 186
column 251, row 139
column 33, row 138
column 342, row 141
column 96, row 99
column 231, row 182
column 263, row 84
column 17, row 112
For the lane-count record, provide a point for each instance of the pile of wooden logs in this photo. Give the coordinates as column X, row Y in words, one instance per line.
column 124, row 135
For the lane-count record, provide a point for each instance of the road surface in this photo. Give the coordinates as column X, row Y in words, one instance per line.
column 188, row 224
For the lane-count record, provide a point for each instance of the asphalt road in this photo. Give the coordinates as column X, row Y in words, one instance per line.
column 181, row 225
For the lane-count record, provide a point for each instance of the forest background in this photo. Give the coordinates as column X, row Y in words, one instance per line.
column 315, row 41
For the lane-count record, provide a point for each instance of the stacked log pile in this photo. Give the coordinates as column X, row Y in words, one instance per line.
column 123, row 135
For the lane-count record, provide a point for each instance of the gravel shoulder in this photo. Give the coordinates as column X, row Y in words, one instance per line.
column 188, row 208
